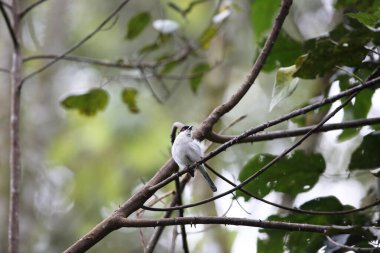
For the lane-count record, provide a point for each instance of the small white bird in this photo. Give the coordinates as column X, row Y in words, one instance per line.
column 186, row 150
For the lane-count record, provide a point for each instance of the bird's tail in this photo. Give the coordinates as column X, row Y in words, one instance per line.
column 209, row 181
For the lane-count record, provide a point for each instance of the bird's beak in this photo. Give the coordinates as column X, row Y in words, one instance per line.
column 190, row 128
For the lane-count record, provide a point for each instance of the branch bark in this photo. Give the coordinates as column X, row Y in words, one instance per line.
column 218, row 138
column 15, row 153
column 224, row 108
column 287, row 226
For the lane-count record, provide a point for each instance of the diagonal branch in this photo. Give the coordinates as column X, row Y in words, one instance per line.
column 30, row 7
column 294, row 210
column 78, row 44
column 224, row 108
column 214, row 137
column 9, row 26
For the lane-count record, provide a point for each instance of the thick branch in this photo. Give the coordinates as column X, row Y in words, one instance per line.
column 15, row 151
column 78, row 44
column 214, row 137
column 224, row 108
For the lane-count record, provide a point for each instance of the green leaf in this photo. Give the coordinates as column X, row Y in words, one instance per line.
column 262, row 15
column 207, row 36
column 300, row 170
column 198, row 72
column 149, row 48
column 129, row 96
column 87, row 104
column 368, row 19
column 137, row 24
column 366, row 156
column 284, row 86
column 336, row 54
column 284, row 52
column 297, row 242
column 340, row 43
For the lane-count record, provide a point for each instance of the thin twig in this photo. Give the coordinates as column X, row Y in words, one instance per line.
column 185, row 245
column 6, row 5
column 9, row 26
column 157, row 233
column 5, row 70
column 78, row 44
column 355, row 249
column 287, row 226
column 82, row 59
column 214, row 137
column 30, row 7
column 294, row 210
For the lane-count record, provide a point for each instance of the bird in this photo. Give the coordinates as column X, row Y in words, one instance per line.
column 186, row 150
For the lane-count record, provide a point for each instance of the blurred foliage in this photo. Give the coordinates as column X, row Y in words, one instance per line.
column 310, row 242
column 79, row 169
column 302, row 170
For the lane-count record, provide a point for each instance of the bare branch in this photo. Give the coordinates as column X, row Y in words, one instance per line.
column 294, row 210
column 354, row 249
column 78, row 44
column 288, row 226
column 30, row 7
column 214, row 137
column 9, row 26
column 6, row 5
column 185, row 245
column 224, row 108
column 82, row 59
column 157, row 233
column 15, row 149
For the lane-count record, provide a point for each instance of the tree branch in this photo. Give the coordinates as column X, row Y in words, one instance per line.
column 6, row 5
column 15, row 150
column 294, row 210
column 78, row 44
column 157, row 233
column 30, row 7
column 224, row 108
column 9, row 25
column 185, row 245
column 214, row 137
column 354, row 249
column 82, row 59
column 287, row 226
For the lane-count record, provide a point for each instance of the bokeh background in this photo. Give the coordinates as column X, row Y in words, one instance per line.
column 78, row 169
